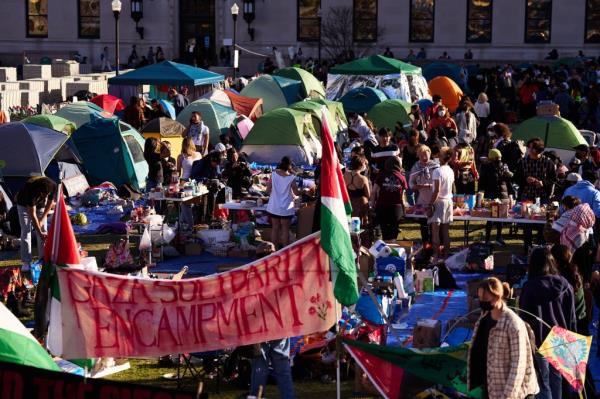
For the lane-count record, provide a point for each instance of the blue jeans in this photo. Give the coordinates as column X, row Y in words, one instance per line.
column 550, row 379
column 26, row 227
column 281, row 369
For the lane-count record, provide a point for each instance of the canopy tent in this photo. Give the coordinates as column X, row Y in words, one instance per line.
column 248, row 106
column 112, row 151
column 167, row 73
column 452, row 71
column 388, row 112
column 109, row 103
column 557, row 133
column 362, row 99
column 396, row 78
column 311, row 87
column 54, row 122
column 31, row 148
column 165, row 129
column 450, row 92
column 282, row 132
column 215, row 116
column 275, row 91
column 82, row 112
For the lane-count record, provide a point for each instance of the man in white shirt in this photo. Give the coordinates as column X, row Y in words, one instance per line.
column 199, row 133
column 441, row 203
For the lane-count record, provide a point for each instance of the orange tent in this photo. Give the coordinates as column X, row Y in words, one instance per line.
column 445, row 87
column 248, row 106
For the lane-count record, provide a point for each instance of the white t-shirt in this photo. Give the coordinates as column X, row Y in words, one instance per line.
column 445, row 175
column 199, row 134
column 186, row 164
column 482, row 109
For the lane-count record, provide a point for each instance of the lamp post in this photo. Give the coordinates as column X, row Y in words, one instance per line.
column 116, row 9
column 234, row 14
column 137, row 13
column 249, row 15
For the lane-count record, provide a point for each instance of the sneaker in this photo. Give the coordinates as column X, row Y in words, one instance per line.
column 25, row 267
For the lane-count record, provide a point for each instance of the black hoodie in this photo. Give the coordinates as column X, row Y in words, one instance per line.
column 550, row 298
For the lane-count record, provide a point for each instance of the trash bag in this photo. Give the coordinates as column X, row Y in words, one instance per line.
column 457, row 261
column 162, row 236
column 145, row 241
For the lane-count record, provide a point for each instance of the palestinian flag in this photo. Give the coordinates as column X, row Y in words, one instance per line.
column 60, row 250
column 17, row 345
column 335, row 209
column 386, row 366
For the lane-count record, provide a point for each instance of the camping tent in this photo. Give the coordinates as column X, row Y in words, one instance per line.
column 216, row 117
column 31, row 148
column 558, row 133
column 51, row 122
column 452, row 71
column 396, row 78
column 450, row 92
column 275, row 91
column 251, row 107
column 112, row 151
column 165, row 129
column 167, row 73
column 311, row 87
column 109, row 103
column 362, row 99
column 282, row 132
column 82, row 112
column 388, row 112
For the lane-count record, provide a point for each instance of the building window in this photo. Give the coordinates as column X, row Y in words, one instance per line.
column 592, row 21
column 89, row 19
column 422, row 21
column 37, row 18
column 365, row 20
column 309, row 20
column 479, row 21
column 538, row 18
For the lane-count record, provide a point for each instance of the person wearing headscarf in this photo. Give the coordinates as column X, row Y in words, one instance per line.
column 387, row 197
column 576, row 231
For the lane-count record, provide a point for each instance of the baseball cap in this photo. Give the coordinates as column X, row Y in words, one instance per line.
column 220, row 148
column 573, row 177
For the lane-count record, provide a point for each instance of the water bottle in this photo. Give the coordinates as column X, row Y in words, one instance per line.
column 399, row 283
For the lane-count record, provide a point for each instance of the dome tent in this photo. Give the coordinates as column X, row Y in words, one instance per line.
column 275, row 91
column 279, row 133
column 388, row 112
column 82, row 112
column 311, row 87
column 216, row 117
column 248, row 106
column 362, row 99
column 448, row 90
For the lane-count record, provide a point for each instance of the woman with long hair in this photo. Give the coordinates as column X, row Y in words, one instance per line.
column 152, row 149
column 187, row 157
column 359, row 188
column 282, row 190
column 500, row 359
column 388, row 198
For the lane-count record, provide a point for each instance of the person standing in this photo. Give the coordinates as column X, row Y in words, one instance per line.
column 441, row 204
column 384, row 150
column 420, row 181
column 152, row 150
column 388, row 198
column 105, row 67
column 511, row 152
column 150, row 55
column 274, row 355
column 500, row 360
column 198, row 132
column 179, row 100
column 496, row 183
column 466, row 122
column 409, row 152
column 237, row 173
column 482, row 110
column 160, row 55
column 282, row 190
column 134, row 113
column 359, row 188
column 34, row 201
column 443, row 121
column 169, row 165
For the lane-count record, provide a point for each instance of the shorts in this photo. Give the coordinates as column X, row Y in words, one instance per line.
column 273, row 216
column 442, row 212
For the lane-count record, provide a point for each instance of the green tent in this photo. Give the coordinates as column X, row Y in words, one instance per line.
column 316, row 110
column 82, row 112
column 275, row 91
column 282, row 132
column 217, row 117
column 336, row 108
column 375, row 65
column 388, row 112
column 311, row 87
column 53, row 122
column 556, row 132
column 112, row 151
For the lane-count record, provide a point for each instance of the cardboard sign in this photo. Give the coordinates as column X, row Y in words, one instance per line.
column 24, row 382
column 288, row 293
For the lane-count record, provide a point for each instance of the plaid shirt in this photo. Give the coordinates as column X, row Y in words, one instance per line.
column 510, row 369
column 542, row 169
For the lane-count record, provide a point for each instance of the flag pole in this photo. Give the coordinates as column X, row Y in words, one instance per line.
column 338, row 383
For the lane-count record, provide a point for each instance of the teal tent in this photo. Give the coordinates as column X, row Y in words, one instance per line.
column 217, row 117
column 275, row 91
column 167, row 73
column 362, row 99
column 452, row 71
column 112, row 151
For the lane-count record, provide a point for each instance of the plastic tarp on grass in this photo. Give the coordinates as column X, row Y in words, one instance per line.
column 167, row 73
column 311, row 87
column 217, row 117
column 248, row 106
column 388, row 112
column 275, row 91
column 28, row 148
column 362, row 99
column 82, row 112
column 282, row 132
column 556, row 132
column 112, row 151
column 399, row 80
column 448, row 89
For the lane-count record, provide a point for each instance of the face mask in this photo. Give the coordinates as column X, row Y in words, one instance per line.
column 486, row 306
column 441, row 113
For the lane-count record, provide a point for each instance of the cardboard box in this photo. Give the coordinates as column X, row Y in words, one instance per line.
column 366, row 262
column 427, row 334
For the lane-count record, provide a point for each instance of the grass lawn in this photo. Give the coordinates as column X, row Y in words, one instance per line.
column 148, row 372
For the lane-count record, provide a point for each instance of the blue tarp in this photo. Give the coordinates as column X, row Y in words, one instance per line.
column 167, row 73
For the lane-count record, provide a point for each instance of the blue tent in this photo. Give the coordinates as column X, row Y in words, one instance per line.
column 424, row 104
column 362, row 99
column 112, row 151
column 451, row 71
column 167, row 73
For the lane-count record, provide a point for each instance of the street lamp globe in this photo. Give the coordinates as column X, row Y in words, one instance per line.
column 235, row 10
column 116, row 6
